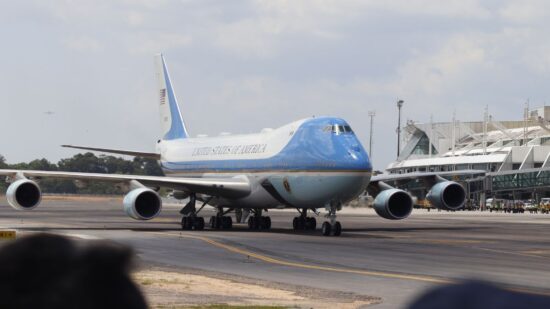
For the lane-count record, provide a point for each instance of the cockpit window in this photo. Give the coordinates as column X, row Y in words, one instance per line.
column 338, row 129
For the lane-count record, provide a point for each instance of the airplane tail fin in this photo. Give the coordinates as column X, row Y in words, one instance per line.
column 173, row 126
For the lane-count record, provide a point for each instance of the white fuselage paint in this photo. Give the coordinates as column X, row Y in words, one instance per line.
column 311, row 186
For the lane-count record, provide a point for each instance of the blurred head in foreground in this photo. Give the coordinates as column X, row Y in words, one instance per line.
column 50, row 271
column 476, row 294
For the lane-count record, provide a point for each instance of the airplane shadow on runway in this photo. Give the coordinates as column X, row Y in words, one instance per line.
column 347, row 233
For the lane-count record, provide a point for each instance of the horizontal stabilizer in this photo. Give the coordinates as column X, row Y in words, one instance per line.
column 149, row 155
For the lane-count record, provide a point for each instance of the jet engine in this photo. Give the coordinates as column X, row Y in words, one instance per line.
column 24, row 194
column 142, row 204
column 393, row 204
column 447, row 195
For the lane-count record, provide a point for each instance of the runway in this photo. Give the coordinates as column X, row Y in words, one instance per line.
column 393, row 260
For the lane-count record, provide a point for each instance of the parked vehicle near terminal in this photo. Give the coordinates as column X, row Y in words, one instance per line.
column 507, row 206
column 494, row 204
column 544, row 205
column 531, row 206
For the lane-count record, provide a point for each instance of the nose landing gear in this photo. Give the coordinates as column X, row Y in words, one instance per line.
column 333, row 227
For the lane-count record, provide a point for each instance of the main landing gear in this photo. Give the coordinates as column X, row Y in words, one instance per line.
column 303, row 222
column 333, row 227
column 221, row 221
column 190, row 220
column 259, row 222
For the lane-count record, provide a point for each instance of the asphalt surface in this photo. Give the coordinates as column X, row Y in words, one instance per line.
column 394, row 260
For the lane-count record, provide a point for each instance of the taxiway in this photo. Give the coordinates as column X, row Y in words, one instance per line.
column 393, row 260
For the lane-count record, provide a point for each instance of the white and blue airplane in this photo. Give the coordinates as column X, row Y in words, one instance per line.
column 309, row 164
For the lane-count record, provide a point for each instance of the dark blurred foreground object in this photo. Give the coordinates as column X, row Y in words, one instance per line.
column 50, row 271
column 476, row 294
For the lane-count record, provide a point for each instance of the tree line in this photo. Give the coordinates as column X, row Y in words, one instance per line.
column 84, row 163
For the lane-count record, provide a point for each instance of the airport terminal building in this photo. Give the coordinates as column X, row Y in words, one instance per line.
column 490, row 145
column 513, row 157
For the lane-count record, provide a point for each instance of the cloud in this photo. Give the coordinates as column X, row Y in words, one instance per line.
column 152, row 43
column 84, row 44
column 243, row 65
column 134, row 18
column 526, row 12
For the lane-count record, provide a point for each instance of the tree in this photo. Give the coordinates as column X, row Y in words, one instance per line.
column 86, row 163
column 3, row 162
column 3, row 165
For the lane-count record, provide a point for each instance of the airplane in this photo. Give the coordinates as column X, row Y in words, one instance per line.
column 310, row 164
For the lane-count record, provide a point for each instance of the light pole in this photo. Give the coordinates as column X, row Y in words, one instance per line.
column 399, row 105
column 371, row 115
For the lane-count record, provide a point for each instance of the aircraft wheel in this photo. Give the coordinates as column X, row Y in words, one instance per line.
column 199, row 224
column 295, row 223
column 337, row 229
column 186, row 223
column 215, row 222
column 311, row 223
column 299, row 223
column 326, row 228
column 265, row 223
column 252, row 223
column 227, row 222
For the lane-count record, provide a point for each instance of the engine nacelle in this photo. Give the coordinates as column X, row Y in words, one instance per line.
column 447, row 195
column 142, row 204
column 24, row 194
column 393, row 204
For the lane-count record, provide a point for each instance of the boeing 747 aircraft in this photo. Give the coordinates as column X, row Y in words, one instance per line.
column 309, row 164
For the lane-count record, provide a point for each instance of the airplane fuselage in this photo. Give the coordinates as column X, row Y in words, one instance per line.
column 311, row 163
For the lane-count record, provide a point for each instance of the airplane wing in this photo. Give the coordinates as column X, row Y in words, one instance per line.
column 222, row 187
column 425, row 175
column 422, row 179
column 392, row 202
column 150, row 155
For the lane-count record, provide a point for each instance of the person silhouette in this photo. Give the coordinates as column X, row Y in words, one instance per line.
column 51, row 271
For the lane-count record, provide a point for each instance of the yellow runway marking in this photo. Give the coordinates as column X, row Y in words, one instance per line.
column 275, row 261
column 524, row 253
column 537, row 252
column 450, row 241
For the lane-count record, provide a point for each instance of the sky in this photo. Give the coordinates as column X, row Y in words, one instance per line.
column 82, row 72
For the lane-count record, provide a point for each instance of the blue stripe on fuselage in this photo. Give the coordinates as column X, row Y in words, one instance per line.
column 310, row 149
